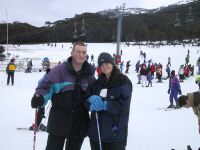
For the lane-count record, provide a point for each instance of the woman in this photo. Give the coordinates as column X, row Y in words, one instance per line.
column 112, row 106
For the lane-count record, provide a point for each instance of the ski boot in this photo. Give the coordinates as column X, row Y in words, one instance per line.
column 171, row 105
column 32, row 127
column 177, row 106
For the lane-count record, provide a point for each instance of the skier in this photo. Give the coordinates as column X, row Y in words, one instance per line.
column 66, row 86
column 29, row 66
column 10, row 70
column 112, row 107
column 197, row 81
column 122, row 66
column 181, row 73
column 137, row 66
column 159, row 74
column 198, row 65
column 168, row 71
column 174, row 90
column 45, row 63
column 127, row 66
column 92, row 58
column 149, row 78
column 143, row 74
column 187, row 59
column 153, row 69
column 169, row 61
column 191, row 100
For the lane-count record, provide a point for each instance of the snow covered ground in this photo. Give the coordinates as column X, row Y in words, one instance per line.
column 149, row 128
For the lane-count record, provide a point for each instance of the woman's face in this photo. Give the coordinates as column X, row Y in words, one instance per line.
column 106, row 68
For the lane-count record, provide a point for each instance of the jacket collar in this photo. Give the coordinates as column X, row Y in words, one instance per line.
column 86, row 69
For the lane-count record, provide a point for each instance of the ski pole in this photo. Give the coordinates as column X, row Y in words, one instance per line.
column 47, row 110
column 35, row 129
column 97, row 120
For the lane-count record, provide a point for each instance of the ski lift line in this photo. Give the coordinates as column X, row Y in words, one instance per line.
column 40, row 30
column 32, row 33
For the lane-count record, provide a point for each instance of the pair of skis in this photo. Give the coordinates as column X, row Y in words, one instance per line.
column 166, row 109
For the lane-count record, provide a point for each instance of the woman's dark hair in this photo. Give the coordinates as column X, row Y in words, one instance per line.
column 114, row 75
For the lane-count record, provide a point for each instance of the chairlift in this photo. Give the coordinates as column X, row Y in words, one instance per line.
column 190, row 17
column 75, row 36
column 83, row 29
column 177, row 21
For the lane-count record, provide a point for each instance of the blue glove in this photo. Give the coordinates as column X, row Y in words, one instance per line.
column 94, row 98
column 96, row 103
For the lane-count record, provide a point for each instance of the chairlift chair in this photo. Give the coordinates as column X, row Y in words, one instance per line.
column 190, row 17
column 177, row 21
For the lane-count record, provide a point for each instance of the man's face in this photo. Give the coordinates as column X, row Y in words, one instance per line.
column 79, row 54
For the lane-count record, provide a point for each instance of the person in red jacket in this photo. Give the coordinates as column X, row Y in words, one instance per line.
column 153, row 69
column 99, row 71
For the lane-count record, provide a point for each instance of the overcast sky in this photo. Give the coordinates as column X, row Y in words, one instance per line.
column 37, row 12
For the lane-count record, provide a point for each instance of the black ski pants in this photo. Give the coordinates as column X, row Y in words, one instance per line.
column 108, row 145
column 10, row 75
column 57, row 143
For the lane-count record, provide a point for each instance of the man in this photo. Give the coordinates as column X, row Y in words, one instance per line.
column 10, row 70
column 191, row 100
column 66, row 86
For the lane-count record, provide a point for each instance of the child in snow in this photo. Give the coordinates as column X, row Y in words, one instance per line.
column 174, row 90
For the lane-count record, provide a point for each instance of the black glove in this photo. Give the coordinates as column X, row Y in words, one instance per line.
column 180, row 92
column 168, row 91
column 37, row 101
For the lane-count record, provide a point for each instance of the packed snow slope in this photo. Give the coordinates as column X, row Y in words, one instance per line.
column 149, row 128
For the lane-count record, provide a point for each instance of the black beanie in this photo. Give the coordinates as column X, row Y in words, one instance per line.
column 105, row 58
column 182, row 100
column 173, row 73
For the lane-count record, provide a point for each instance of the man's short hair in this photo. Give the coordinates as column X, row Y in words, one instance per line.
column 182, row 100
column 78, row 43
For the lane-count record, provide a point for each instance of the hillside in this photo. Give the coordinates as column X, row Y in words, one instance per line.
column 175, row 22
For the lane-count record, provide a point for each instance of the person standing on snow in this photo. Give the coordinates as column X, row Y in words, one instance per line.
column 121, row 65
column 127, row 66
column 66, row 86
column 168, row 71
column 10, row 70
column 191, row 100
column 137, row 66
column 29, row 66
column 113, row 107
column 143, row 74
column 174, row 90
